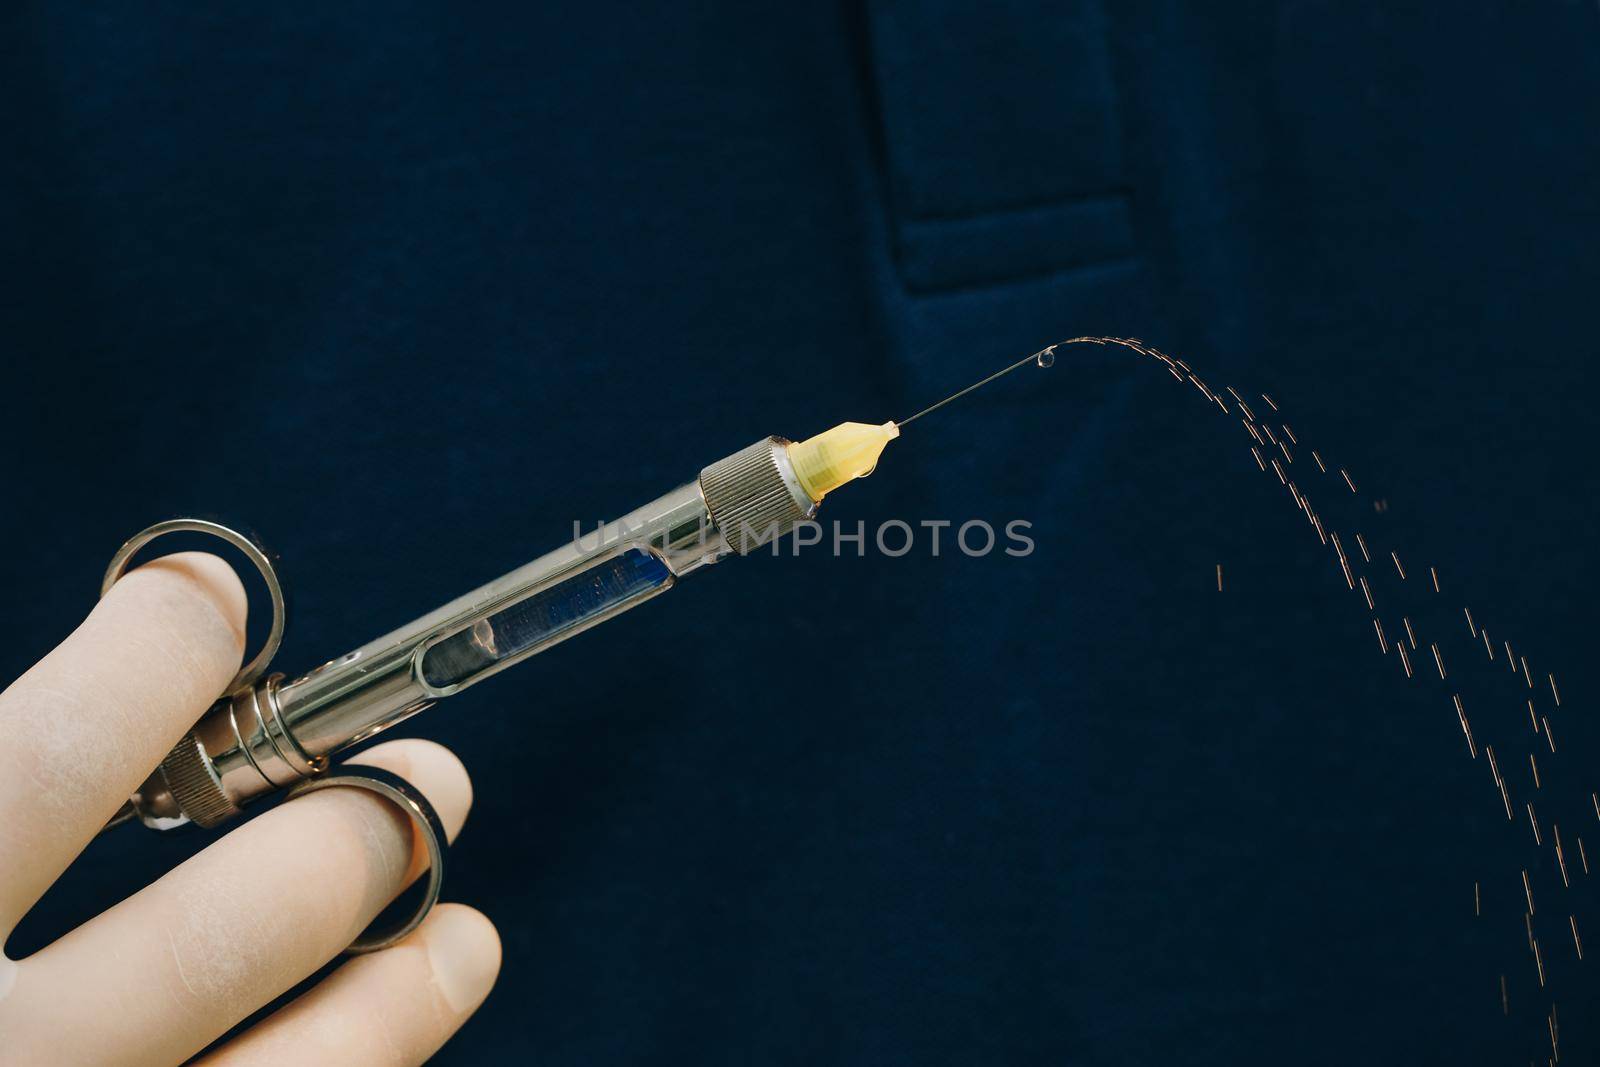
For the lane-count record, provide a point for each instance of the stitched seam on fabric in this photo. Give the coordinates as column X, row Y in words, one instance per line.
column 1027, row 208
column 1116, row 263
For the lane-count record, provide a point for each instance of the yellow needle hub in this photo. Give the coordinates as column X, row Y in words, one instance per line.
column 848, row 451
column 851, row 449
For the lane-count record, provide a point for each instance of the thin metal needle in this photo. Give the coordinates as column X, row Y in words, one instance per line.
column 1044, row 357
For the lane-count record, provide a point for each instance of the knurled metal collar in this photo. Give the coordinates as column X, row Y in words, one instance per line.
column 194, row 784
column 753, row 496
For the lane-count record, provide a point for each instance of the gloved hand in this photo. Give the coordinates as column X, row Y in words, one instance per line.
column 160, row 976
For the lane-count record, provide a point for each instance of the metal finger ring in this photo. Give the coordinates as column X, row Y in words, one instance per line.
column 253, row 550
column 392, row 787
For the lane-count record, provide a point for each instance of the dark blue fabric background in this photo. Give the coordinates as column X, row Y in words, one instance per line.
column 413, row 287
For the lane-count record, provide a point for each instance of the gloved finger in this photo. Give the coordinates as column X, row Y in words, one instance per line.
column 163, row 974
column 395, row 1007
column 91, row 720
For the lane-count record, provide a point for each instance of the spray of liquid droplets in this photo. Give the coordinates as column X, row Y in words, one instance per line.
column 1485, row 725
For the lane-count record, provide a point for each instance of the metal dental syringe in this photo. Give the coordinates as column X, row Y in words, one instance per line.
column 270, row 734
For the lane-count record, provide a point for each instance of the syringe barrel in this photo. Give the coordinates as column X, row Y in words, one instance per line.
column 270, row 735
column 595, row 576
